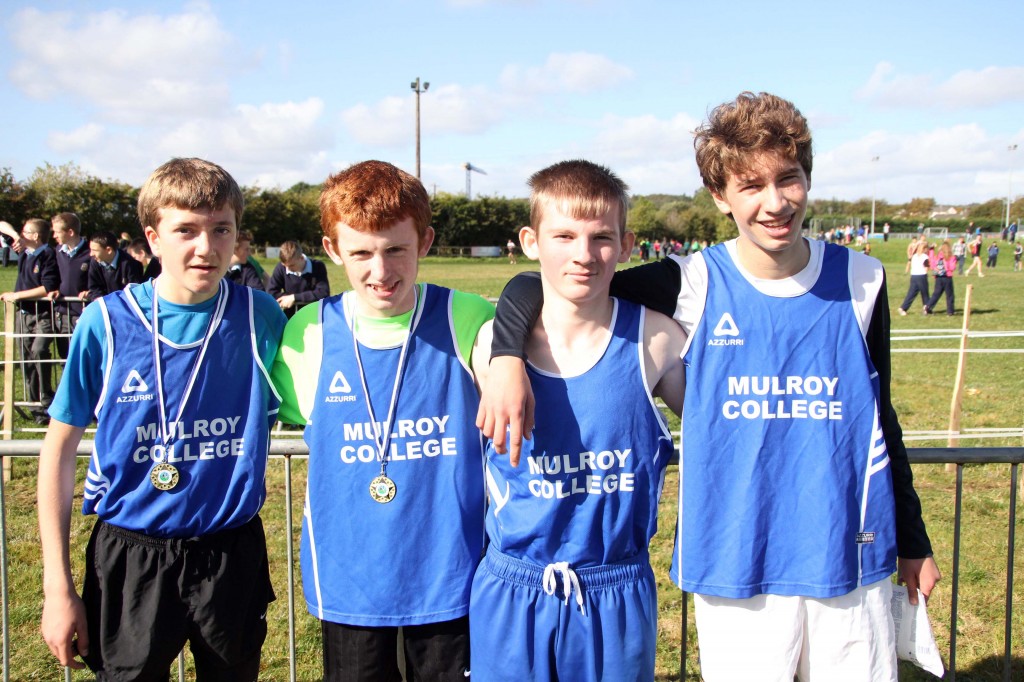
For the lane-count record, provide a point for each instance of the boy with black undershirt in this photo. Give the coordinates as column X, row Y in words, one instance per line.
column 796, row 494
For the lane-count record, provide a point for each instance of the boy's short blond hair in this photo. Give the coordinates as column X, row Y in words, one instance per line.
column 189, row 184
column 580, row 189
column 737, row 130
column 371, row 196
column 290, row 249
column 69, row 221
column 244, row 236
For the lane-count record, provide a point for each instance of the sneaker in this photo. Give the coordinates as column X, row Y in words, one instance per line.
column 902, row 311
column 926, row 311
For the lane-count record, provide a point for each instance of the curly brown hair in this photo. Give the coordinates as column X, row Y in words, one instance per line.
column 750, row 124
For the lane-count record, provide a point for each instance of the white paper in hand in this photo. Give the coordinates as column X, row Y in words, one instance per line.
column 914, row 639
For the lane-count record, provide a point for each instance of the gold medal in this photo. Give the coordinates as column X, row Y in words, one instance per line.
column 382, row 489
column 165, row 477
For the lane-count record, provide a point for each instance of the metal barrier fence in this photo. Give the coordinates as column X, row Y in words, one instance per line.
column 288, row 449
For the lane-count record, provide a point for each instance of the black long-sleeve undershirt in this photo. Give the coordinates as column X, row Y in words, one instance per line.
column 656, row 285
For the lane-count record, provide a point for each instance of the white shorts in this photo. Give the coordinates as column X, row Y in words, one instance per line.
column 773, row 638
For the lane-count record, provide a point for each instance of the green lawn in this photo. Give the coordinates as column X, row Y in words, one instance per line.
column 922, row 387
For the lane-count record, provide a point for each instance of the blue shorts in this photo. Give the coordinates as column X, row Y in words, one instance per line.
column 593, row 623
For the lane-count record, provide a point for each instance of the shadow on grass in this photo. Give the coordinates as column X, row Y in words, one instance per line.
column 991, row 669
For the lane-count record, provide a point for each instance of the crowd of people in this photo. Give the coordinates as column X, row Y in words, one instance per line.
column 665, row 247
column 430, row 522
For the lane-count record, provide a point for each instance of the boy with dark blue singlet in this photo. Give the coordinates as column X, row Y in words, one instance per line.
column 176, row 372
column 567, row 574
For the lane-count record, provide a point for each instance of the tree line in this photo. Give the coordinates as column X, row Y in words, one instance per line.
column 277, row 215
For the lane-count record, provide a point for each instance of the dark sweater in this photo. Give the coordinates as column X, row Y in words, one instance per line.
column 309, row 287
column 39, row 269
column 246, row 275
column 104, row 280
column 74, row 277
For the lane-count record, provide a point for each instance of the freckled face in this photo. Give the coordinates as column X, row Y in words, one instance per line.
column 381, row 266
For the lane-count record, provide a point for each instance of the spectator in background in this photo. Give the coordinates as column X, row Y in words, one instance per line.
column 140, row 251
column 112, row 269
column 297, row 279
column 943, row 264
column 38, row 277
column 241, row 271
column 918, row 278
column 960, row 251
column 975, row 250
column 73, row 259
column 993, row 254
column 5, row 249
column 1018, row 250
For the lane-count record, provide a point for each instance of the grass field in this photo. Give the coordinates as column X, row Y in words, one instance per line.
column 922, row 386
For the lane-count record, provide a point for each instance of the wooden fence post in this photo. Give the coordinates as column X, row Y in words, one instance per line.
column 956, row 406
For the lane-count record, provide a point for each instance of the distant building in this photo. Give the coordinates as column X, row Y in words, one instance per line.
column 945, row 212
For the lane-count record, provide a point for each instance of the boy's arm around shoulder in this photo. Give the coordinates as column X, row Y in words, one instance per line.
column 916, row 567
column 63, row 619
column 664, row 341
column 506, row 399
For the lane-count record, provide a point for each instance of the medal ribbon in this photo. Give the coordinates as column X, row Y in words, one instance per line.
column 383, row 441
column 166, row 432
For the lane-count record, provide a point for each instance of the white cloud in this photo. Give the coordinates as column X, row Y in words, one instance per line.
column 271, row 144
column 647, row 137
column 447, row 109
column 966, row 89
column 958, row 164
column 458, row 109
column 131, row 68
column 73, row 141
column 577, row 72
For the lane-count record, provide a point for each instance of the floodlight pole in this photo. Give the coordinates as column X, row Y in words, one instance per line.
column 415, row 85
column 874, row 180
column 1009, row 186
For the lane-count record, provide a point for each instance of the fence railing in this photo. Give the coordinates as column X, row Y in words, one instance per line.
column 288, row 449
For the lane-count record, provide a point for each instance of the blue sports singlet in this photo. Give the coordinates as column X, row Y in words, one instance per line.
column 220, row 456
column 586, row 489
column 786, row 487
column 409, row 561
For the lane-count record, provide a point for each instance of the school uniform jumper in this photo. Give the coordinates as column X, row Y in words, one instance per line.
column 73, row 265
column 122, row 271
column 35, row 269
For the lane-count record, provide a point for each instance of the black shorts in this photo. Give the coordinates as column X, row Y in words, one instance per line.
column 145, row 596
column 433, row 652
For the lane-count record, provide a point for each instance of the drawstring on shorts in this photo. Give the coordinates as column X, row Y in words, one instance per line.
column 570, row 582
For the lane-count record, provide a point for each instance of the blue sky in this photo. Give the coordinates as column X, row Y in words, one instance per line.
column 281, row 92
